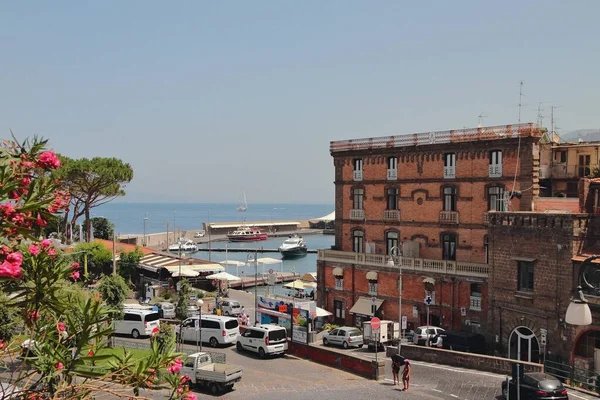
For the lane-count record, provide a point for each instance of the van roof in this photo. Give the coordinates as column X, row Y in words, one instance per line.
column 268, row 327
column 132, row 311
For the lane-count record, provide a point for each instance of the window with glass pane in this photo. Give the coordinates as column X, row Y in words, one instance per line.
column 449, row 246
column 391, row 241
column 486, row 248
column 496, row 157
column 525, row 281
column 496, row 198
column 392, row 163
column 339, row 283
column 372, row 288
column 450, row 198
column 358, row 164
column 358, row 238
column 392, row 198
column 357, row 196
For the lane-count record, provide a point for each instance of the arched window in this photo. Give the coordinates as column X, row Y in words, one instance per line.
column 358, row 241
column 391, row 241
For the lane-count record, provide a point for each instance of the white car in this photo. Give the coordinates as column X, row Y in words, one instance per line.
column 425, row 333
column 346, row 336
column 231, row 307
column 199, row 234
column 264, row 340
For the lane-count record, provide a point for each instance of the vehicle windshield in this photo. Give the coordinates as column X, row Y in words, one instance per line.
column 152, row 317
column 279, row 334
column 231, row 324
column 354, row 332
column 235, row 304
column 290, row 241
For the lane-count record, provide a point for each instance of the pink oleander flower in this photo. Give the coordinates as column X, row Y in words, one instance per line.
column 7, row 209
column 26, row 181
column 40, row 222
column 91, row 353
column 15, row 258
column 9, row 270
column 185, row 379
column 75, row 265
column 34, row 250
column 179, row 391
column 18, row 218
column 51, row 251
column 46, row 243
column 176, row 366
column 61, row 327
column 48, row 159
column 75, row 275
column 59, row 366
column 190, row 396
column 33, row 315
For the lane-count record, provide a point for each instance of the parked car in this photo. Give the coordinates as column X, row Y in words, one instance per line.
column 230, row 307
column 535, row 385
column 207, row 374
column 166, row 309
column 346, row 336
column 199, row 234
column 424, row 333
column 264, row 340
column 193, row 311
column 137, row 323
column 464, row 341
column 215, row 330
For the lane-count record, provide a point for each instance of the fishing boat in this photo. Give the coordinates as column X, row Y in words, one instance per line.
column 243, row 204
column 246, row 234
column 293, row 246
column 187, row 246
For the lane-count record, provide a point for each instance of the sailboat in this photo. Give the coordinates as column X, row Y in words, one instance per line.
column 243, row 205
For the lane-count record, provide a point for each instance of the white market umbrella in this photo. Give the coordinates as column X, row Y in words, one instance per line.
column 297, row 284
column 224, row 276
column 185, row 274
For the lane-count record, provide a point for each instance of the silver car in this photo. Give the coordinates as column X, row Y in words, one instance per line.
column 346, row 336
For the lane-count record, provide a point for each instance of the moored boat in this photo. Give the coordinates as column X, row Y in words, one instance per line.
column 184, row 245
column 246, row 234
column 293, row 246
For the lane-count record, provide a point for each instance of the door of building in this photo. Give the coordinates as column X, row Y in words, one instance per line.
column 339, row 312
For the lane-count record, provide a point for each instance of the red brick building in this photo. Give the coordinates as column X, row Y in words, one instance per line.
column 424, row 198
column 534, row 260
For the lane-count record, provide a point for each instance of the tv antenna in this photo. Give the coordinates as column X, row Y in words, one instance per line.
column 480, row 118
column 540, row 117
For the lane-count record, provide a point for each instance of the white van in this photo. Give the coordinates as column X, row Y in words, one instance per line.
column 231, row 307
column 216, row 330
column 137, row 323
column 264, row 340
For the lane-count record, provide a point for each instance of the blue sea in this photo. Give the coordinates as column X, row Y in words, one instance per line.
column 128, row 218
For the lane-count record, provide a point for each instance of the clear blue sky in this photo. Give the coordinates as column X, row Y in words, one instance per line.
column 205, row 99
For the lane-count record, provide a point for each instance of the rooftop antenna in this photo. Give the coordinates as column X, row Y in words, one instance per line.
column 480, row 118
column 520, row 99
column 540, row 117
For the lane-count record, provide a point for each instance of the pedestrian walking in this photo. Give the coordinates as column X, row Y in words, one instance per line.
column 406, row 375
column 397, row 361
column 438, row 342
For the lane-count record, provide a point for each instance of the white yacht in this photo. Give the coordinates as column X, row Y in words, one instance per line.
column 293, row 246
column 187, row 246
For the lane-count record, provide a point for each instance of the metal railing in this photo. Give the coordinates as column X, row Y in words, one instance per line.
column 495, row 170
column 567, row 170
column 587, row 379
column 449, row 217
column 357, row 215
column 392, row 174
column 358, row 175
column 475, row 303
column 408, row 264
column 486, row 218
column 449, row 172
column 391, row 215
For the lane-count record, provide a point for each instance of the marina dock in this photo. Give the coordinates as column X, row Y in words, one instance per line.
column 257, row 250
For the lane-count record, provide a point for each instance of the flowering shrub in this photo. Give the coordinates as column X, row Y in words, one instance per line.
column 65, row 325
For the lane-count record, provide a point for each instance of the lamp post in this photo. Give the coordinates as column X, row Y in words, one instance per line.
column 145, row 220
column 249, row 258
column 393, row 252
column 200, row 303
column 578, row 312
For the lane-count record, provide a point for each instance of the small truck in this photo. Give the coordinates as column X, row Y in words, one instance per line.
column 387, row 332
column 216, row 377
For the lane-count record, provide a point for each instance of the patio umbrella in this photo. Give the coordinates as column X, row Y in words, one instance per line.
column 224, row 276
column 297, row 284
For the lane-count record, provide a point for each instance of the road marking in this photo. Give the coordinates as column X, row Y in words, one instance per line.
column 466, row 371
column 573, row 394
column 453, row 395
column 437, row 390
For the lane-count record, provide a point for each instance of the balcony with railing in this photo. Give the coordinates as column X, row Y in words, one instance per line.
column 475, row 303
column 568, row 171
column 495, row 170
column 449, row 217
column 450, row 172
column 357, row 215
column 358, row 175
column 391, row 215
column 392, row 174
column 417, row 265
column 486, row 218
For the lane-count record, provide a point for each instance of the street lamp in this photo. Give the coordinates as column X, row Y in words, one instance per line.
column 200, row 303
column 250, row 257
column 145, row 219
column 578, row 312
column 393, row 252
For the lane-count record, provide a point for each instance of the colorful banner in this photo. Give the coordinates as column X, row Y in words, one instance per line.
column 300, row 328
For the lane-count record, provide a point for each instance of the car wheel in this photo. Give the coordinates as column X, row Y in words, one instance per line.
column 135, row 334
column 213, row 342
column 325, row 342
column 345, row 345
column 261, row 352
column 213, row 388
column 238, row 346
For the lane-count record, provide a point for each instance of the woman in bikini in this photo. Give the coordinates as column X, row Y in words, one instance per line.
column 406, row 375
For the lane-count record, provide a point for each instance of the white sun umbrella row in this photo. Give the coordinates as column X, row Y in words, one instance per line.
column 260, row 261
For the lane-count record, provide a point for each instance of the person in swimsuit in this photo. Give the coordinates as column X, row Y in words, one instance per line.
column 406, row 375
column 396, row 368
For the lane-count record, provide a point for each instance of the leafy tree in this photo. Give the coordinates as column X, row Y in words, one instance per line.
column 99, row 259
column 165, row 338
column 128, row 262
column 103, row 228
column 183, row 300
column 93, row 182
column 114, row 291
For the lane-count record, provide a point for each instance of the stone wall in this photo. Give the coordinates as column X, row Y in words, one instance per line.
column 477, row 362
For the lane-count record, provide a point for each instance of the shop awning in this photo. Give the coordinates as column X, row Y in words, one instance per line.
column 371, row 276
column 338, row 271
column 363, row 306
column 429, row 280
